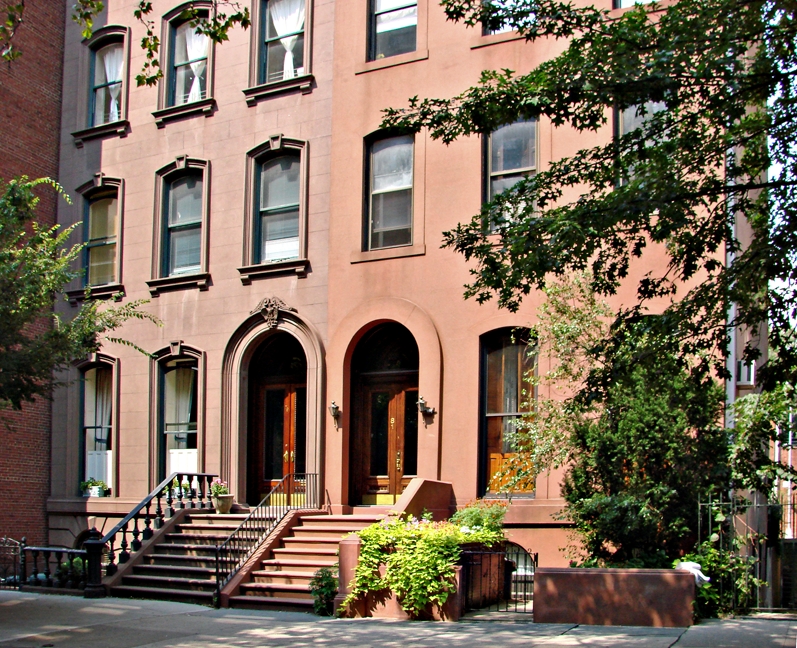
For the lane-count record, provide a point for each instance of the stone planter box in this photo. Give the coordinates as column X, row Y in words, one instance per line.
column 637, row 597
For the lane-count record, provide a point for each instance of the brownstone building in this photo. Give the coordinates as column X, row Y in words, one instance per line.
column 30, row 113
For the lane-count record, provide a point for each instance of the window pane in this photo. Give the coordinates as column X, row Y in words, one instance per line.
column 513, row 146
column 184, row 250
column 279, row 182
column 102, row 219
column 102, row 264
column 280, row 236
column 391, row 163
column 379, row 431
column 185, row 201
column 392, row 210
column 190, row 84
column 632, row 118
column 97, row 407
column 410, row 433
column 188, row 45
column 275, row 434
column 502, row 183
column 108, row 63
column 395, row 32
column 276, row 70
column 179, row 399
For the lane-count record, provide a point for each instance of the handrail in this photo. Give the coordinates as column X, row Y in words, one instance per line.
column 296, row 491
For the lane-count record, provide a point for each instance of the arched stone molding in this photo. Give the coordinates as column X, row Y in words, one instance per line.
column 430, row 382
column 270, row 316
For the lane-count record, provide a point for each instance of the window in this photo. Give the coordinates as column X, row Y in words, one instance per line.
column 512, row 155
column 393, row 28
column 282, row 54
column 106, row 88
column 181, row 231
column 189, row 69
column 633, row 117
column 504, row 27
column 183, row 225
column 97, row 423
column 101, row 227
column 277, row 224
column 390, row 193
column 506, row 362
column 179, row 418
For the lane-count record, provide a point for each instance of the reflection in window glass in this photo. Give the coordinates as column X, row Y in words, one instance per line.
column 393, row 27
column 183, row 223
column 101, row 243
column 277, row 231
column 391, row 193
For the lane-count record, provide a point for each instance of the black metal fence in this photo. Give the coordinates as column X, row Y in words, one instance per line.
column 294, row 492
column 9, row 563
column 52, row 567
column 500, row 580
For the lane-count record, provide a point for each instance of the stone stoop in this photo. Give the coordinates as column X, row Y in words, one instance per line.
column 182, row 567
column 282, row 581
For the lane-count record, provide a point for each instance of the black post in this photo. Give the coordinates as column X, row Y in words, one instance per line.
column 94, row 586
column 23, row 565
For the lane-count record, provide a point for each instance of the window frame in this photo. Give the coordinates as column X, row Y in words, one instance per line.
column 276, row 146
column 259, row 88
column 167, row 109
column 486, row 340
column 94, row 361
column 100, row 187
column 176, row 351
column 101, row 38
column 164, row 177
column 370, row 142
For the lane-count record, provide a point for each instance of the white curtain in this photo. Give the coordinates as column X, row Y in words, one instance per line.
column 185, row 395
column 197, row 48
column 287, row 17
column 112, row 61
column 104, row 403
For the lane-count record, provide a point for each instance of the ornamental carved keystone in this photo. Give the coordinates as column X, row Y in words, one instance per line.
column 269, row 308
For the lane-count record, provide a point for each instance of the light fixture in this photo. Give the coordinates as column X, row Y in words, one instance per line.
column 334, row 410
column 424, row 409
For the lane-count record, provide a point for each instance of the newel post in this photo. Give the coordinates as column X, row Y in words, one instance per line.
column 94, row 586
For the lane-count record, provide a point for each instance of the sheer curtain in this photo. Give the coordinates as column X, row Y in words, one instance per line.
column 197, row 48
column 185, row 396
column 287, row 17
column 112, row 61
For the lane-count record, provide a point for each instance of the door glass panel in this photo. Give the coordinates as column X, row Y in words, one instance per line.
column 379, row 432
column 275, row 431
column 300, row 439
column 410, row 433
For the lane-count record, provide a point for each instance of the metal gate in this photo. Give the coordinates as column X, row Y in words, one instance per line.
column 500, row 580
column 9, row 563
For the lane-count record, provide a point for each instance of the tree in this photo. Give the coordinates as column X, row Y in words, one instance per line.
column 724, row 71
column 35, row 265
column 215, row 24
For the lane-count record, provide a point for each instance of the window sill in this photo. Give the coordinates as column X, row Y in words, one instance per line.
column 494, row 39
column 118, row 128
column 108, row 291
column 392, row 61
column 172, row 113
column 199, row 280
column 389, row 253
column 264, row 90
column 294, row 266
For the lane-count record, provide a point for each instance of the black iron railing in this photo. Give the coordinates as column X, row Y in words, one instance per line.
column 295, row 492
column 9, row 563
column 498, row 579
column 52, row 567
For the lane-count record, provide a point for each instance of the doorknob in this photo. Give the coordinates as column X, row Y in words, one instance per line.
column 293, row 456
column 398, row 460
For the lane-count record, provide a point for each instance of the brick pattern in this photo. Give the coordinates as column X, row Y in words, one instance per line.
column 30, row 111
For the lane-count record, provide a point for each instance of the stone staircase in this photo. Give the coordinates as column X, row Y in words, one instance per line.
column 283, row 580
column 182, row 567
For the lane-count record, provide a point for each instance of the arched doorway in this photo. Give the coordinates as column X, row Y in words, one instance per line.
column 277, row 426
column 384, row 443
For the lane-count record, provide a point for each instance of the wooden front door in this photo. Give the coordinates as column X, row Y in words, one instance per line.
column 280, row 435
column 387, row 440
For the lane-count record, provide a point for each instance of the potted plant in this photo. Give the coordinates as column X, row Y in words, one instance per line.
column 220, row 495
column 94, row 487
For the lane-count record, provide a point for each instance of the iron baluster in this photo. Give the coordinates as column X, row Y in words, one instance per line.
column 48, row 581
column 135, row 545
column 111, row 568
column 147, row 533
column 124, row 556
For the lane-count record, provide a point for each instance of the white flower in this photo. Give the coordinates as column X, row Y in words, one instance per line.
column 465, row 529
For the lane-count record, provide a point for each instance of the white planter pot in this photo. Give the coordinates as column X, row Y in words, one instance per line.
column 96, row 491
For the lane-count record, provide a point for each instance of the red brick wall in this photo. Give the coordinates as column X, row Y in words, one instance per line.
column 30, row 116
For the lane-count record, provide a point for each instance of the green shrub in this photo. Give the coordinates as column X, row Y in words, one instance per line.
column 482, row 514
column 418, row 557
column 324, row 588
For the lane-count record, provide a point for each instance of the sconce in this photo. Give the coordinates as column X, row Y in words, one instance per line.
column 424, row 409
column 334, row 410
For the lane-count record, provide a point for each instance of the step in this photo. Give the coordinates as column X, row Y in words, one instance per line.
column 202, row 528
column 179, row 560
column 288, row 577
column 165, row 594
column 290, row 564
column 196, row 538
column 205, row 550
column 340, row 521
column 277, row 590
column 179, row 571
column 170, row 582
column 305, row 554
column 309, row 542
column 271, row 603
column 215, row 518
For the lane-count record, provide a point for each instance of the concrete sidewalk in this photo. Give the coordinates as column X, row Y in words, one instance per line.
column 44, row 621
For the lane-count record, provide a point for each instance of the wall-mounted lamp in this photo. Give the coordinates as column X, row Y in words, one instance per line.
column 334, row 410
column 424, row 409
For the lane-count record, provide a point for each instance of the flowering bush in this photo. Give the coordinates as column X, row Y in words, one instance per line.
column 218, row 487
column 482, row 514
column 419, row 558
